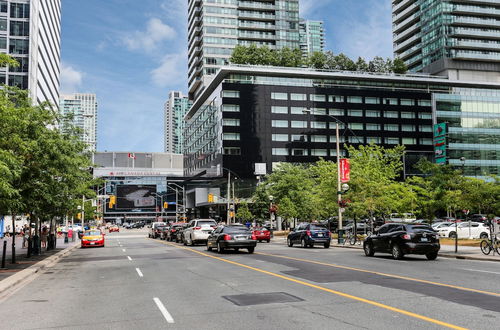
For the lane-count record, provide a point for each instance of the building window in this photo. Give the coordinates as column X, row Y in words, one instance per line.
column 408, row 115
column 391, row 127
column 335, row 98
column 297, row 110
column 407, row 102
column 230, row 108
column 425, row 128
column 279, row 96
column 372, row 100
column 299, row 138
column 391, row 114
column 318, row 124
column 373, row 127
column 298, row 97
column 299, row 152
column 358, row 126
column 19, row 10
column 23, row 65
column 319, row 152
column 231, row 136
column 333, row 153
column 408, row 128
column 354, row 99
column 232, row 151
column 424, row 115
column 409, row 140
column 280, row 152
column 355, row 113
column 372, row 113
column 279, row 123
column 280, row 137
column 424, row 103
column 333, row 125
column 234, row 94
column 317, row 97
column 298, row 124
column 374, row 139
column 336, row 112
column 333, row 139
column 18, row 81
column 425, row 141
column 3, row 24
column 3, row 43
column 319, row 138
column 391, row 140
column 230, row 122
column 318, row 111
column 356, row 139
column 276, row 109
column 3, row 6
column 391, row 101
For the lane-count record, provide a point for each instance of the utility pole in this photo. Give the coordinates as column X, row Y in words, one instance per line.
column 228, row 196
column 339, row 195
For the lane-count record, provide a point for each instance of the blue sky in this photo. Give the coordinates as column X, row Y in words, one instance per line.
column 132, row 53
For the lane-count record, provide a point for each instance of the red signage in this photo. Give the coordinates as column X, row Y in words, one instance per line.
column 345, row 170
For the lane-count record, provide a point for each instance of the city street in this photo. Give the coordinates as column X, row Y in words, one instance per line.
column 135, row 282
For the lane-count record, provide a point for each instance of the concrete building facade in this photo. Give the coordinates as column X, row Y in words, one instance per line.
column 83, row 110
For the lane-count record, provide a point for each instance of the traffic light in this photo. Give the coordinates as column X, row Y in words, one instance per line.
column 112, row 201
column 165, row 205
column 79, row 216
column 210, row 198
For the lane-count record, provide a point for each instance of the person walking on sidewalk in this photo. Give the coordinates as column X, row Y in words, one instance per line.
column 26, row 235
column 43, row 236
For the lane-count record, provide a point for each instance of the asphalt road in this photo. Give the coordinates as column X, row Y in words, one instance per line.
column 140, row 283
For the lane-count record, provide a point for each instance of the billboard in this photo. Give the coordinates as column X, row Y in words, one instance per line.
column 135, row 196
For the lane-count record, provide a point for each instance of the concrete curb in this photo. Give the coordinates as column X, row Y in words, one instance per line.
column 465, row 257
column 12, row 281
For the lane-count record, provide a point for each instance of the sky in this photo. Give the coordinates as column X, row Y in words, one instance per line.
column 132, row 53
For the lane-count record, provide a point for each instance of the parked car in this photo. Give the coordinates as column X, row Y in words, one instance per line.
column 309, row 234
column 231, row 237
column 152, row 230
column 198, row 231
column 126, row 225
column 400, row 239
column 164, row 231
column 171, row 233
column 179, row 235
column 91, row 238
column 439, row 225
column 114, row 228
column 402, row 217
column 361, row 228
column 262, row 234
column 138, row 224
column 478, row 218
column 475, row 230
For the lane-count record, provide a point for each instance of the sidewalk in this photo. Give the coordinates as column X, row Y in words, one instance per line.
column 22, row 262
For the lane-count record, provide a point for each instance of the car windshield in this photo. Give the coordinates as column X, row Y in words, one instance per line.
column 236, row 229
column 206, row 223
column 93, row 233
column 161, row 227
column 317, row 227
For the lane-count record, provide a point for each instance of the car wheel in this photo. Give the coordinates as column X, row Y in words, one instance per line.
column 369, row 249
column 209, row 248
column 327, row 245
column 397, row 254
column 452, row 234
column 236, row 249
column 268, row 241
column 303, row 243
column 260, row 241
column 289, row 242
column 220, row 249
column 191, row 242
column 184, row 242
column 251, row 249
column 483, row 236
column 432, row 255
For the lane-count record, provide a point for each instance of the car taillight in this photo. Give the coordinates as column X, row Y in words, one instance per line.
column 227, row 237
column 308, row 233
column 407, row 237
column 254, row 237
column 173, row 230
column 196, row 228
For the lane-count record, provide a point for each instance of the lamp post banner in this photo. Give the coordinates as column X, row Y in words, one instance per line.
column 345, row 170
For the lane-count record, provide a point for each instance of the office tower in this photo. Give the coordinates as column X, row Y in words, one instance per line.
column 82, row 110
column 175, row 109
column 455, row 38
column 216, row 27
column 312, row 36
column 30, row 31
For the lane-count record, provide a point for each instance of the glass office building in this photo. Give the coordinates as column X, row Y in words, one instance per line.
column 312, row 36
column 174, row 110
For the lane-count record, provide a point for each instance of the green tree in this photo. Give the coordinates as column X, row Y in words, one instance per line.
column 361, row 65
column 317, row 60
column 399, row 66
column 244, row 213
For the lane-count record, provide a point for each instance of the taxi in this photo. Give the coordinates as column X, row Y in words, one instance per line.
column 93, row 237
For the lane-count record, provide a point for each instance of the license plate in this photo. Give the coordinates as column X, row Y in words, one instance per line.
column 424, row 239
column 92, row 243
column 320, row 235
column 240, row 238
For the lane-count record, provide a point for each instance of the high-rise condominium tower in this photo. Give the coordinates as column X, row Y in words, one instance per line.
column 456, row 38
column 83, row 109
column 30, row 31
column 175, row 109
column 217, row 26
column 312, row 36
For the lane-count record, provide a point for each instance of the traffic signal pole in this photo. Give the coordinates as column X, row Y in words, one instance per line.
column 339, row 194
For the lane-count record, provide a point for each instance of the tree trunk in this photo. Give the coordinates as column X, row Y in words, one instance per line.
column 13, row 238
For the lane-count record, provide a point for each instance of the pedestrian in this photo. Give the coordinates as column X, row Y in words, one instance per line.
column 26, row 235
column 44, row 234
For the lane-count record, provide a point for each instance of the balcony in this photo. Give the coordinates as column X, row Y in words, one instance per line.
column 396, row 28
column 414, row 39
column 466, row 32
column 476, row 56
column 485, row 46
column 257, row 26
column 402, row 15
column 250, row 35
column 257, row 15
column 256, row 5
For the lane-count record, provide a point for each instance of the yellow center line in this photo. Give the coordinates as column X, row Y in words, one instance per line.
column 345, row 295
column 381, row 274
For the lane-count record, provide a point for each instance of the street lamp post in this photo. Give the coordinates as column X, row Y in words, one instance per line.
column 271, row 197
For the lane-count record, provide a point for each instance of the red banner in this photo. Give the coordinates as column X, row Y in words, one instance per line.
column 345, row 170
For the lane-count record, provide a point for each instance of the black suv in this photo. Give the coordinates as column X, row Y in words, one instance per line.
column 309, row 234
column 400, row 239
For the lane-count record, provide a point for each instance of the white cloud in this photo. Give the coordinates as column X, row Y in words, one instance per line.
column 172, row 69
column 156, row 32
column 71, row 79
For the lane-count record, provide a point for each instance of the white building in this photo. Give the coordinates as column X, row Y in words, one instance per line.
column 30, row 31
column 83, row 110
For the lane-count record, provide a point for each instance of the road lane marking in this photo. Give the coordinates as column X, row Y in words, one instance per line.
column 139, row 272
column 129, row 258
column 381, row 274
column 123, row 250
column 163, row 310
column 342, row 294
column 481, row 271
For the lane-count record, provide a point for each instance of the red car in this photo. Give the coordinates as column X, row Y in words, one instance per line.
column 92, row 238
column 114, row 228
column 262, row 234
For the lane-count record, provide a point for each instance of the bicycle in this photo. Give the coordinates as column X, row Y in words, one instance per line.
column 351, row 238
column 487, row 245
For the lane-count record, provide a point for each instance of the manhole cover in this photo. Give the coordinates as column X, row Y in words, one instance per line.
column 262, row 298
